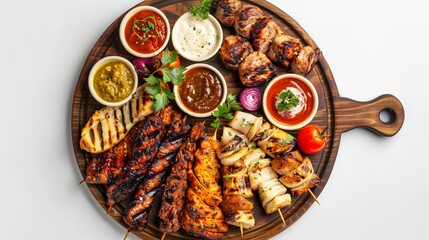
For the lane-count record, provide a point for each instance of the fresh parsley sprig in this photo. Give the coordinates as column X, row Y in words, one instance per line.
column 288, row 99
column 202, row 10
column 158, row 86
column 224, row 109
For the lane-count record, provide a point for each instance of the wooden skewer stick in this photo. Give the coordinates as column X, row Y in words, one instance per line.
column 110, row 208
column 83, row 180
column 281, row 215
column 163, row 235
column 314, row 196
column 241, row 229
column 126, row 234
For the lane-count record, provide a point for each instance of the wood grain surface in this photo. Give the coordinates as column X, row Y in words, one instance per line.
column 337, row 113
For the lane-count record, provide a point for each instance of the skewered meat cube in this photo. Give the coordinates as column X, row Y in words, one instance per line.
column 237, row 184
column 283, row 50
column 234, row 50
column 304, row 62
column 225, row 11
column 299, row 175
column 287, row 162
column 241, row 218
column 313, row 181
column 278, row 143
column 263, row 33
column 245, row 18
column 239, row 167
column 256, row 69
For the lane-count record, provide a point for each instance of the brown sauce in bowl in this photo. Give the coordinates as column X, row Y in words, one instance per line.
column 201, row 90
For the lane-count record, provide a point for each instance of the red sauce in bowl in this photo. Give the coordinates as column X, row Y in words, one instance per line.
column 276, row 88
column 146, row 32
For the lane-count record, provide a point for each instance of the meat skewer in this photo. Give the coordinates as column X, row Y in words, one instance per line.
column 138, row 210
column 173, row 198
column 202, row 216
column 144, row 150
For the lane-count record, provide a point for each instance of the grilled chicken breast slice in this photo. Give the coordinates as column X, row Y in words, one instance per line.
column 109, row 125
column 241, row 218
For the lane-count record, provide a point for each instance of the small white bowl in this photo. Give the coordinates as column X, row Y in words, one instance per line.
column 296, row 78
column 93, row 71
column 189, row 111
column 196, row 39
column 124, row 22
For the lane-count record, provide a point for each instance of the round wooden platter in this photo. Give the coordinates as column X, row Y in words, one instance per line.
column 336, row 113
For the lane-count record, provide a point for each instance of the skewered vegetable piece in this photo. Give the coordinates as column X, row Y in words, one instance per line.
column 263, row 175
column 299, row 175
column 237, row 184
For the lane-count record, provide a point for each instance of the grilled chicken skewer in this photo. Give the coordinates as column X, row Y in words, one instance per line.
column 204, row 193
column 144, row 150
column 138, row 210
column 173, row 198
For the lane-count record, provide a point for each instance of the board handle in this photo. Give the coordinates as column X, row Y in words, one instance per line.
column 384, row 115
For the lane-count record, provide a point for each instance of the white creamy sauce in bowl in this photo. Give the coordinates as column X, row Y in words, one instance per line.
column 197, row 39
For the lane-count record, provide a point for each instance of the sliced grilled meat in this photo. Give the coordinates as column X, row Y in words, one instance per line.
column 173, row 198
column 256, row 69
column 104, row 168
column 145, row 147
column 234, row 203
column 234, row 50
column 304, row 62
column 313, row 181
column 283, row 50
column 245, row 18
column 225, row 11
column 263, row 33
column 138, row 210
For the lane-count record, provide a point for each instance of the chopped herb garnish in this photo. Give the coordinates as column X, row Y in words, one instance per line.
column 229, row 133
column 253, row 147
column 246, row 123
column 202, row 10
column 288, row 100
column 226, row 177
column 146, row 25
column 224, row 109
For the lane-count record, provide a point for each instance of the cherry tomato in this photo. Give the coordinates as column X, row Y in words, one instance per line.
column 157, row 60
column 311, row 139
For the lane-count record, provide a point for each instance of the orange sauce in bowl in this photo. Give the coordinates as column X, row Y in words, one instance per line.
column 277, row 88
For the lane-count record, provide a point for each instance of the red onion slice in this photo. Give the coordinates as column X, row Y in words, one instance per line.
column 251, row 98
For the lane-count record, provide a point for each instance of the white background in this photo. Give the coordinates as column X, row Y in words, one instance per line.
column 379, row 188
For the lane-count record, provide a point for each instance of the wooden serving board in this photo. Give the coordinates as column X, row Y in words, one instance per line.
column 337, row 113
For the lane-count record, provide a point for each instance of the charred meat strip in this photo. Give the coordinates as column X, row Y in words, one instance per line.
column 145, row 147
column 256, row 69
column 138, row 210
column 173, row 198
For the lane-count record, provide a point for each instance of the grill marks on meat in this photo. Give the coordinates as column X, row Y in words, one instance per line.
column 234, row 50
column 202, row 216
column 263, row 33
column 225, row 11
column 138, row 211
column 256, row 69
column 245, row 18
column 145, row 147
column 104, row 168
column 173, row 198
